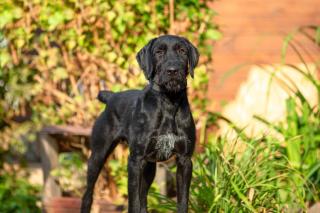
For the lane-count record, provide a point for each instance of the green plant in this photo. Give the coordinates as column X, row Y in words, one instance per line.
column 300, row 129
column 17, row 195
column 160, row 203
column 301, row 138
column 71, row 173
column 251, row 176
column 238, row 176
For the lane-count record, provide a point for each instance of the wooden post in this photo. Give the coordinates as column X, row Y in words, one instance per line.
column 49, row 160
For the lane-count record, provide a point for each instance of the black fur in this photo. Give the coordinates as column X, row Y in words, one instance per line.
column 156, row 122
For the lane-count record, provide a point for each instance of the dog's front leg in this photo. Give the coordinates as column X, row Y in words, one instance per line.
column 135, row 169
column 184, row 173
column 148, row 175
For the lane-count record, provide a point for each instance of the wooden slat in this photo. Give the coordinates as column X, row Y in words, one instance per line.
column 63, row 129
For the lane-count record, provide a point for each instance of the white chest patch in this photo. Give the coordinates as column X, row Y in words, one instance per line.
column 165, row 145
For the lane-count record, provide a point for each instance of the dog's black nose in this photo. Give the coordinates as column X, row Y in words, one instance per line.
column 172, row 70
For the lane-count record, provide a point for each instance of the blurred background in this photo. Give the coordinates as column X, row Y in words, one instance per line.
column 255, row 99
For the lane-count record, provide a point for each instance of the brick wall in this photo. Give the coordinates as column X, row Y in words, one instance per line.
column 253, row 33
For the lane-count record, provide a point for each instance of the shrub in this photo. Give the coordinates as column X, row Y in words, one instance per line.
column 17, row 195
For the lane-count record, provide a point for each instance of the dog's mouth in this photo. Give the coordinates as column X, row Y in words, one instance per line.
column 174, row 85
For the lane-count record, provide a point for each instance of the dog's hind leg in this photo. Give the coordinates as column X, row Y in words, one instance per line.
column 101, row 149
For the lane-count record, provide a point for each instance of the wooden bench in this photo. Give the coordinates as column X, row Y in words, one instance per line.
column 52, row 139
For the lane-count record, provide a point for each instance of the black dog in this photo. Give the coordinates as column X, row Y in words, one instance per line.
column 156, row 122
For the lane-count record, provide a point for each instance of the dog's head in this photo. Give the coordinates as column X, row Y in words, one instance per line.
column 167, row 60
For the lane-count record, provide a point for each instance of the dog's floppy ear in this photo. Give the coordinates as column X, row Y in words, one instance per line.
column 193, row 57
column 145, row 61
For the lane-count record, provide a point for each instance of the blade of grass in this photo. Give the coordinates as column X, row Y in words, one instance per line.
column 243, row 197
column 274, row 126
column 314, row 169
column 309, row 76
column 285, row 45
column 301, row 58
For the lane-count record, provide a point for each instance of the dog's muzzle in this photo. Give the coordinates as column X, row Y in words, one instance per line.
column 173, row 78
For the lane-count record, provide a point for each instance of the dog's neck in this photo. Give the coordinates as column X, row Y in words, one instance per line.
column 172, row 97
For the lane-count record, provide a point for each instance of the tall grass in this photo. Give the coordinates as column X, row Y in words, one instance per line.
column 250, row 176
column 301, row 127
column 238, row 176
column 301, row 133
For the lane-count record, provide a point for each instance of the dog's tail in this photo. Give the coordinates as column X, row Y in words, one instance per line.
column 104, row 96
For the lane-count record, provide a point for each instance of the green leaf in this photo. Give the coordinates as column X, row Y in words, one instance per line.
column 5, row 58
column 213, row 34
column 59, row 73
column 111, row 15
column 286, row 43
column 55, row 19
column 111, row 56
column 5, row 18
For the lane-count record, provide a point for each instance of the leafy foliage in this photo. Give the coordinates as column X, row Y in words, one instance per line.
column 70, row 173
column 17, row 195
column 57, row 55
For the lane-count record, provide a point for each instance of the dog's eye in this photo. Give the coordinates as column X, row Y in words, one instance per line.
column 182, row 51
column 159, row 52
